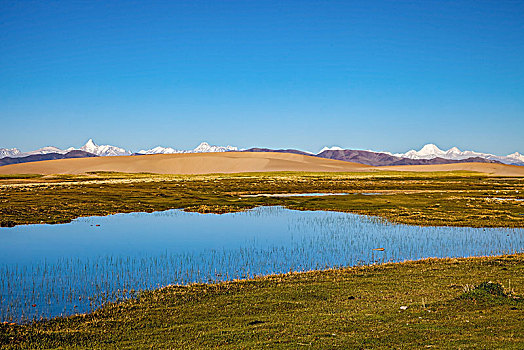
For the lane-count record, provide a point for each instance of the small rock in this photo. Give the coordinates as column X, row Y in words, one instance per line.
column 403, row 308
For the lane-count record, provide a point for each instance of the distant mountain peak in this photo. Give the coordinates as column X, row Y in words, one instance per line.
column 90, row 143
column 431, row 151
column 203, row 147
column 103, row 150
column 45, row 150
column 9, row 152
column 430, row 147
column 332, row 148
column 159, row 150
column 519, row 158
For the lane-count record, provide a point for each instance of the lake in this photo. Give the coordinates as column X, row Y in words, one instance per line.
column 52, row 270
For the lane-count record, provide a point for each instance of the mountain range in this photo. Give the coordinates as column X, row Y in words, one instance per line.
column 384, row 159
column 429, row 154
column 431, row 151
column 204, row 147
column 45, row 156
column 108, row 150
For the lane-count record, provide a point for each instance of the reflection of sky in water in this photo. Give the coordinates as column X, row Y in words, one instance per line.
column 143, row 250
column 143, row 234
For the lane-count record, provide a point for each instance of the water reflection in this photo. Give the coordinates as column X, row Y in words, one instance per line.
column 50, row 270
column 294, row 194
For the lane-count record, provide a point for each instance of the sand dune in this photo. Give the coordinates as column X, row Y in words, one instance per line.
column 232, row 162
column 192, row 163
column 487, row 168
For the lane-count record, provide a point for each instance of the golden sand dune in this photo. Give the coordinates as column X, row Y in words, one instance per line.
column 233, row 162
column 189, row 163
column 487, row 168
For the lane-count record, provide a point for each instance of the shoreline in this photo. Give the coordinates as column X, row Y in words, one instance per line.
column 219, row 210
column 280, row 276
column 398, row 300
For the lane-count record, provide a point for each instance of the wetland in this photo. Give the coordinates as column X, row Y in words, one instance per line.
column 58, row 270
column 156, row 249
column 427, row 199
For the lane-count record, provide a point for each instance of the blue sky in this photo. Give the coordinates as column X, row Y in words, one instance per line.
column 382, row 75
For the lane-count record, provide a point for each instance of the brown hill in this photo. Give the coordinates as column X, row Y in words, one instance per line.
column 384, row 159
column 374, row 158
column 189, row 163
column 287, row 150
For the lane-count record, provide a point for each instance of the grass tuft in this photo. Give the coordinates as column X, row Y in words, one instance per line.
column 489, row 292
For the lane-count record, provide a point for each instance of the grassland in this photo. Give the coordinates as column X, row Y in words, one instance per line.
column 440, row 198
column 423, row 304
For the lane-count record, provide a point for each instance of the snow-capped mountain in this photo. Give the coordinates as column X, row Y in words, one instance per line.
column 90, row 147
column 16, row 153
column 204, row 147
column 108, row 150
column 9, row 152
column 516, row 156
column 334, row 148
column 431, row 151
column 104, row 150
column 428, row 152
column 44, row 150
column 160, row 150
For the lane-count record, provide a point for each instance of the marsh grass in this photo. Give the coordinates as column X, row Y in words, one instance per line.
column 345, row 308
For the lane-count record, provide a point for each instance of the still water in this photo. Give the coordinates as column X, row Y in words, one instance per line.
column 51, row 270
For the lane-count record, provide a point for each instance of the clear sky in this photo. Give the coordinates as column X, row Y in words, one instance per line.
column 382, row 75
